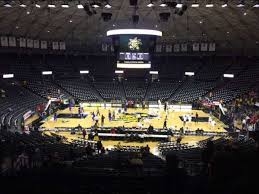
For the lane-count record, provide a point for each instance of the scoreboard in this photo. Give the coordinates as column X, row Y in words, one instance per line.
column 133, row 51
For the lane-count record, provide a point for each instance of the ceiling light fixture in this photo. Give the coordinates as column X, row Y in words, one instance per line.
column 151, row 4
column 108, row 6
column 209, row 5
column 37, row 5
column 179, row 5
column 224, row 5
column 51, row 5
column 163, row 5
column 7, row 5
column 80, row 6
column 241, row 4
column 23, row 5
column 65, row 5
column 195, row 5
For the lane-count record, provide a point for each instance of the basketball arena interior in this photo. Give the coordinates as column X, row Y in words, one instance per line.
column 129, row 96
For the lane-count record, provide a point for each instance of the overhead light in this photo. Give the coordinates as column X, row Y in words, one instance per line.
column 224, row 5
column 153, row 72
column 209, row 5
column 80, row 6
column 245, row 13
column 200, row 22
column 47, row 73
column 37, row 5
column 65, row 5
column 163, row 5
column 23, row 5
column 108, row 6
column 28, row 12
column 70, row 21
column 151, row 4
column 256, row 5
column 119, row 71
column 17, row 27
column 228, row 75
column 7, row 5
column 95, row 5
column 84, row 72
column 189, row 73
column 51, row 5
column 179, row 5
column 6, row 76
column 195, row 5
column 134, row 31
column 241, row 4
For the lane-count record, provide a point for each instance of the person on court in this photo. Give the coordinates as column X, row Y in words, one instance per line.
column 110, row 115
column 102, row 120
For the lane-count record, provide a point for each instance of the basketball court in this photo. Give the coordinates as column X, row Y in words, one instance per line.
column 151, row 116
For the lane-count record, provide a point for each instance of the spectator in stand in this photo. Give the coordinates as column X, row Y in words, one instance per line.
column 99, row 146
column 84, row 133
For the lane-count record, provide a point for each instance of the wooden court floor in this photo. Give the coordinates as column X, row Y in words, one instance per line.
column 173, row 119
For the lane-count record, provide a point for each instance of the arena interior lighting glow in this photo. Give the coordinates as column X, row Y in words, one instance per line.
column 37, row 5
column 228, row 75
column 7, row 76
column 7, row 5
column 47, row 73
column 189, row 73
column 224, row 5
column 151, row 4
column 241, row 4
column 65, row 5
column 209, row 5
column 134, row 65
column 256, row 5
column 84, row 72
column 51, row 5
column 80, row 6
column 195, row 5
column 153, row 72
column 23, row 5
column 108, row 6
column 119, row 71
column 134, row 31
column 163, row 5
column 179, row 5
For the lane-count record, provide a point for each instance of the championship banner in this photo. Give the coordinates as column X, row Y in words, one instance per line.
column 43, row 44
column 22, row 42
column 158, row 48
column 177, row 48
column 29, row 43
column 104, row 47
column 12, row 41
column 36, row 44
column 55, row 45
column 212, row 47
column 112, row 48
column 4, row 41
column 184, row 47
column 204, row 47
column 168, row 48
column 195, row 47
column 62, row 45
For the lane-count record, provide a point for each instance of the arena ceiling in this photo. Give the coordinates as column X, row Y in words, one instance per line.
column 236, row 25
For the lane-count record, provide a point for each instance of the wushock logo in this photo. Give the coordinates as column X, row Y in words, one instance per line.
column 134, row 44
